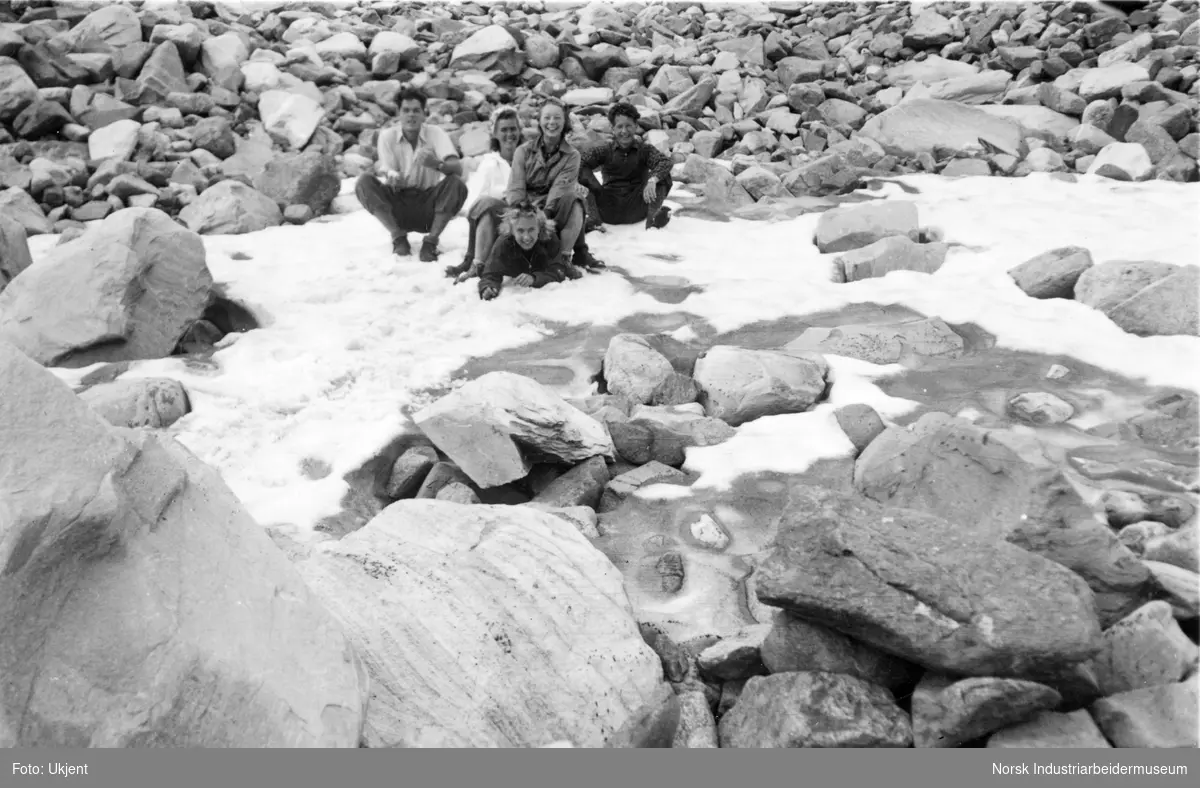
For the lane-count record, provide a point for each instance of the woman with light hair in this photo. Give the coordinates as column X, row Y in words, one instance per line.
column 485, row 194
column 527, row 252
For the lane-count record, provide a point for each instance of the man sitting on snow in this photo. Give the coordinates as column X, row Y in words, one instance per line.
column 637, row 177
column 421, row 188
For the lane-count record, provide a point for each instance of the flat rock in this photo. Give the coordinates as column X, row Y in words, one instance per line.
column 905, row 342
column 626, row 484
column 919, row 587
column 1179, row 548
column 580, row 486
column 1050, row 729
column 1103, row 83
column 1164, row 716
column 814, row 710
column 491, row 425
column 489, row 48
column 1040, row 408
column 921, row 125
column 1179, row 587
column 895, row 253
column 861, row 423
column 1052, row 274
column 471, row 663
column 738, row 385
column 856, row 226
column 1168, row 307
column 105, row 317
column 947, row 712
column 290, row 117
column 174, row 633
column 1036, row 120
column 409, row 471
column 735, row 657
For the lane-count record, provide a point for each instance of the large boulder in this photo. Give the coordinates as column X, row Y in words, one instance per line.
column 1146, row 298
column 492, row 47
column 1145, row 649
column 17, row 204
column 496, row 426
column 113, row 26
column 906, row 342
column 221, row 58
column 968, row 475
column 1123, row 161
column 1166, row 716
column 794, row 644
column 301, row 179
column 923, row 125
column 923, row 588
column 489, row 626
column 856, row 226
column 739, row 385
column 14, row 250
column 141, row 605
column 128, row 288
column 231, row 208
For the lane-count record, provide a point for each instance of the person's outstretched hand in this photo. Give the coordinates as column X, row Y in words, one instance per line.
column 523, row 280
column 489, row 292
column 650, row 192
column 470, row 273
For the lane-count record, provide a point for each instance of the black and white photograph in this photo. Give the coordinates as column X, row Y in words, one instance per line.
column 554, row 374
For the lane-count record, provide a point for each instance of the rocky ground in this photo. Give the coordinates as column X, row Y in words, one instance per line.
column 949, row 584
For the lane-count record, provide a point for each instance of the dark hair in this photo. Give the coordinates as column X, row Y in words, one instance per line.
column 408, row 93
column 551, row 101
column 504, row 113
column 624, row 109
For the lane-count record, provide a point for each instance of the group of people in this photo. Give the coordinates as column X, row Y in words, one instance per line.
column 528, row 215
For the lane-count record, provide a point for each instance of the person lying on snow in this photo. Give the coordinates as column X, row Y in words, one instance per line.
column 637, row 176
column 527, row 250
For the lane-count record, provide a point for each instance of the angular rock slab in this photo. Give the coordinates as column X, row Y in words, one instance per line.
column 921, row 125
column 486, row 626
column 1052, row 274
column 1153, row 717
column 948, row 712
column 738, row 385
column 814, row 710
column 856, row 226
column 492, row 427
column 1050, row 729
column 887, row 343
column 896, row 253
column 129, row 288
column 140, row 605
column 918, row 587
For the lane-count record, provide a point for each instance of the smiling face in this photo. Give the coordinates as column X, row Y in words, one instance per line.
column 551, row 121
column 412, row 115
column 525, row 231
column 508, row 134
column 624, row 130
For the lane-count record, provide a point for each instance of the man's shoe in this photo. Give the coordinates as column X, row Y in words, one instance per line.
column 660, row 219
column 429, row 251
column 400, row 246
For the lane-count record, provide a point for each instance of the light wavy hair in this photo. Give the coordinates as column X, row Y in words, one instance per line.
column 527, row 208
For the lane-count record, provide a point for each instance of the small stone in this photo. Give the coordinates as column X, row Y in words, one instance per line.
column 735, row 657
column 1135, row 536
column 297, row 214
column 457, row 492
column 1164, row 716
column 626, row 484
column 947, row 712
column 1057, row 372
column 1040, row 408
column 1145, row 649
column 1049, row 729
column 409, row 472
column 861, row 423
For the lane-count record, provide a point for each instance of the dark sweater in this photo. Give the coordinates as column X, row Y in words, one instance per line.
column 624, row 169
column 509, row 259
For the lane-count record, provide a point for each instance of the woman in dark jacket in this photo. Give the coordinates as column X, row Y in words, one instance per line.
column 527, row 250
